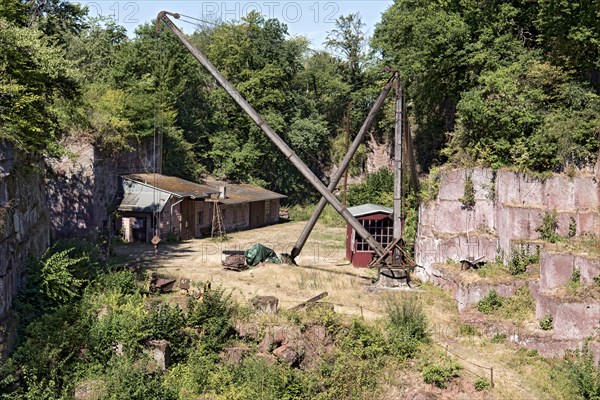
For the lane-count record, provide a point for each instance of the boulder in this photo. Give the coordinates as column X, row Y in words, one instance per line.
column 265, row 304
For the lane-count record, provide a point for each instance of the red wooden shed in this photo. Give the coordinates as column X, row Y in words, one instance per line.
column 377, row 220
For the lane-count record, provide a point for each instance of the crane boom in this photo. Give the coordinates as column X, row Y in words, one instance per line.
column 271, row 134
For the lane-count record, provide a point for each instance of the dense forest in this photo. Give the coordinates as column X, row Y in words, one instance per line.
column 495, row 83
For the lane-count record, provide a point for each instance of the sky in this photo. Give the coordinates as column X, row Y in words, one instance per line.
column 312, row 19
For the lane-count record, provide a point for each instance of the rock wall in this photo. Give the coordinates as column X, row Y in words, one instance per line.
column 508, row 208
column 24, row 220
column 82, row 186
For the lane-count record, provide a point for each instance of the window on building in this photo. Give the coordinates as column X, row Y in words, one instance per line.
column 200, row 217
column 382, row 231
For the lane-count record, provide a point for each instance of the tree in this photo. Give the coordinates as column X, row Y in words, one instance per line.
column 447, row 52
column 570, row 34
column 35, row 75
column 348, row 39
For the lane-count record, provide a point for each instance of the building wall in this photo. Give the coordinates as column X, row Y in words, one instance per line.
column 203, row 226
column 272, row 212
column 236, row 216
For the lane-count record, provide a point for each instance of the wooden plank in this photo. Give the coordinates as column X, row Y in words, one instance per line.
column 311, row 300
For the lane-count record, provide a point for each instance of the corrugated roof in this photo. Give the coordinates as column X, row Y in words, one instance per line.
column 177, row 186
column 142, row 198
column 242, row 192
column 368, row 209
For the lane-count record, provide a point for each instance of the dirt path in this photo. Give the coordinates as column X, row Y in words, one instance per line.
column 323, row 268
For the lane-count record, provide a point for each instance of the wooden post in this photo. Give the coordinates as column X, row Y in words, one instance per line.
column 398, row 228
column 347, row 140
column 492, row 376
column 311, row 300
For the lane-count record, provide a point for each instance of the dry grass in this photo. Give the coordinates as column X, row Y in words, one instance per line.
column 323, row 268
column 585, row 244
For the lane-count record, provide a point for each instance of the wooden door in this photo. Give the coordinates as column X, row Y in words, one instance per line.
column 188, row 220
column 138, row 229
column 257, row 214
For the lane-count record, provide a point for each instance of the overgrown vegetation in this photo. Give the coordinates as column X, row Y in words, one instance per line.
column 546, row 323
column 522, row 257
column 441, row 373
column 102, row 326
column 377, row 188
column 490, row 303
column 468, row 198
column 584, row 372
column 548, row 228
column 509, row 84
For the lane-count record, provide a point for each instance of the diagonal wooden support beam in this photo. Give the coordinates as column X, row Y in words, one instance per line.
column 337, row 176
column 271, row 134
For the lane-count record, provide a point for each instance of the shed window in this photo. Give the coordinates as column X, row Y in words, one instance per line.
column 200, row 217
column 382, row 231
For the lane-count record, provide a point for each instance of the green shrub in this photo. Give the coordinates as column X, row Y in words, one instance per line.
column 548, row 228
column 520, row 306
column 407, row 314
column 214, row 316
column 407, row 327
column 440, row 375
column 499, row 338
column 167, row 322
column 362, row 341
column 468, row 198
column 481, row 384
column 490, row 303
column 47, row 355
column 546, row 323
column 431, row 186
column 122, row 282
column 584, row 373
column 123, row 323
column 344, row 377
column 521, row 258
column 377, row 188
column 125, row 379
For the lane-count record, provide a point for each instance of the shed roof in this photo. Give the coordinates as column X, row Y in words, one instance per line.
column 368, row 209
column 173, row 185
column 242, row 192
column 142, row 198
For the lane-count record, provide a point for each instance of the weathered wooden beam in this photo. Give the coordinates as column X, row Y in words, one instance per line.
column 271, row 134
column 311, row 300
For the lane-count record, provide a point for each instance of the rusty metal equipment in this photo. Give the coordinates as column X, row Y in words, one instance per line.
column 161, row 284
column 271, row 134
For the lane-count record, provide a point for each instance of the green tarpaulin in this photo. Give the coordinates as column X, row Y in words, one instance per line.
column 259, row 253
